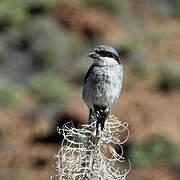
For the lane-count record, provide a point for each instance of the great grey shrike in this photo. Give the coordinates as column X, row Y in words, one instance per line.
column 102, row 85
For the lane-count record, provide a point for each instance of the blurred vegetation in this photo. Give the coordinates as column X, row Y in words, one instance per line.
column 155, row 36
column 59, row 45
column 177, row 8
column 127, row 48
column 12, row 12
column 170, row 77
column 49, row 87
column 16, row 12
column 162, row 7
column 113, row 6
column 158, row 150
column 40, row 46
column 11, row 94
column 129, row 80
column 144, row 70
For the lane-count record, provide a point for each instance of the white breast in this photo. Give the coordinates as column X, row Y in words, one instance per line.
column 103, row 85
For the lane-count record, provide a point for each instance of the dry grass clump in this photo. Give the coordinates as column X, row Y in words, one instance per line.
column 98, row 160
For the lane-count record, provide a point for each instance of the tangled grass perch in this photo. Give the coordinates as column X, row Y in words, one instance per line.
column 97, row 161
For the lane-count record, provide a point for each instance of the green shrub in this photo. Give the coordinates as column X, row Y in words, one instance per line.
column 155, row 36
column 176, row 9
column 59, row 45
column 46, row 56
column 11, row 95
column 143, row 70
column 126, row 48
column 15, row 12
column 12, row 11
column 159, row 149
column 170, row 77
column 112, row 6
column 49, row 87
column 162, row 7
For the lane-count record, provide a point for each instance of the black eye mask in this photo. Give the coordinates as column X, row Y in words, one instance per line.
column 108, row 54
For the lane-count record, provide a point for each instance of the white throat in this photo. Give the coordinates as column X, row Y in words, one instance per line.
column 105, row 61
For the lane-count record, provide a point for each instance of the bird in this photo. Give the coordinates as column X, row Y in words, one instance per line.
column 102, row 84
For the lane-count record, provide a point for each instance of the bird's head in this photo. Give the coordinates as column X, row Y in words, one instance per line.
column 104, row 55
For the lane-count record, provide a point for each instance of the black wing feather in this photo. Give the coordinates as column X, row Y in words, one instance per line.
column 89, row 71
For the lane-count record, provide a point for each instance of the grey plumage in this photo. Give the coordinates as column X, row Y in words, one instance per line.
column 103, row 82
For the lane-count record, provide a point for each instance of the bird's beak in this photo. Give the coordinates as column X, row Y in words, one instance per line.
column 93, row 55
